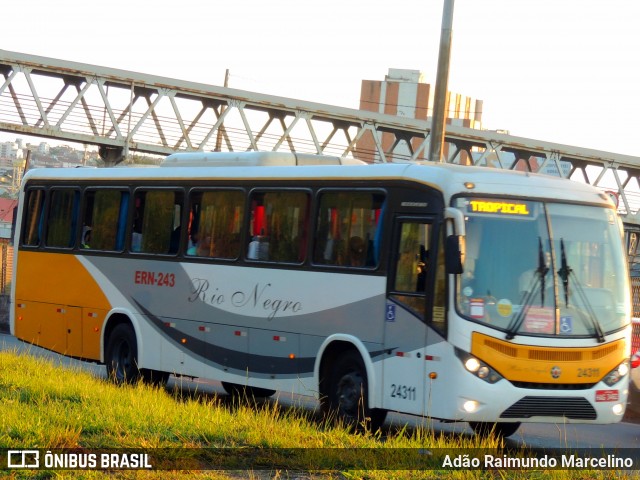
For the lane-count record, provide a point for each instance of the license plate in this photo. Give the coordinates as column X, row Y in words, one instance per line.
column 607, row 395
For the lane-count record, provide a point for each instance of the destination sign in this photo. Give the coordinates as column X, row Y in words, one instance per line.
column 497, row 207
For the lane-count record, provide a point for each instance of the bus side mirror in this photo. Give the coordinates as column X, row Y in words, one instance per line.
column 454, row 254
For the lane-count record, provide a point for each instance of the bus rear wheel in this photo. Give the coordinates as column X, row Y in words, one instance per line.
column 121, row 355
column 347, row 394
column 242, row 391
column 500, row 429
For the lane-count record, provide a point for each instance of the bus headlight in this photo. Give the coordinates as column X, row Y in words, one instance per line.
column 478, row 367
column 617, row 374
column 472, row 364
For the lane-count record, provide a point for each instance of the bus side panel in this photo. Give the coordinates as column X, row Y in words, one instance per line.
column 233, row 342
column 72, row 325
column 38, row 323
column 443, row 372
column 61, row 279
column 273, row 354
column 404, row 367
column 308, row 383
column 50, row 312
column 91, row 324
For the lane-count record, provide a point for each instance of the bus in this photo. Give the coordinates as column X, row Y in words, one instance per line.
column 457, row 293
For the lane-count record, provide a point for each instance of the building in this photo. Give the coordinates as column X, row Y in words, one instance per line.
column 11, row 150
column 43, row 148
column 405, row 94
column 7, row 206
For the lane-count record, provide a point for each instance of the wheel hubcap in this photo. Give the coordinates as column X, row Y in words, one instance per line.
column 349, row 392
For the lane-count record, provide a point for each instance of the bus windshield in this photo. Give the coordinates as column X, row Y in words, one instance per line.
column 549, row 269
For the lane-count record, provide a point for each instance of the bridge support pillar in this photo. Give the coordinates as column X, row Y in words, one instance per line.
column 111, row 155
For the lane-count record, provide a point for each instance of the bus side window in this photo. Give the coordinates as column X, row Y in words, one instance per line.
column 34, row 218
column 349, row 229
column 62, row 218
column 216, row 219
column 103, row 214
column 156, row 224
column 279, row 226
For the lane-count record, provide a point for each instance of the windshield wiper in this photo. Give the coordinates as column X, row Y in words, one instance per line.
column 541, row 271
column 567, row 272
column 564, row 272
column 537, row 282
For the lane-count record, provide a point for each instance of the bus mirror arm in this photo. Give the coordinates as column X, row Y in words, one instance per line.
column 457, row 217
column 454, row 254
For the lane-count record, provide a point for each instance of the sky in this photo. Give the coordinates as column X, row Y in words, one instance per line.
column 564, row 71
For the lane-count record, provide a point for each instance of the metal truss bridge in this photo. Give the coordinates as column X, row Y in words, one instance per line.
column 122, row 111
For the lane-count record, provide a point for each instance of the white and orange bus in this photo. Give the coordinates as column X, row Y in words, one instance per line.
column 453, row 292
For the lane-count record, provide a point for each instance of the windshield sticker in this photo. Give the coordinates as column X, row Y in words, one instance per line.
column 504, row 307
column 476, row 308
column 467, row 291
column 539, row 320
column 500, row 208
column 566, row 324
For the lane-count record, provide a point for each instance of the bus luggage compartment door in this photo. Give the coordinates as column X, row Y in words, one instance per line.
column 50, row 326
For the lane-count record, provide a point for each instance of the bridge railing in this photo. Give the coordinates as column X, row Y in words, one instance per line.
column 122, row 111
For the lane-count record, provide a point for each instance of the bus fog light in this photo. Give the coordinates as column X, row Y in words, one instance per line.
column 470, row 406
column 483, row 372
column 618, row 409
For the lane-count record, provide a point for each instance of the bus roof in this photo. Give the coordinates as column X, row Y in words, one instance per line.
column 449, row 179
column 253, row 159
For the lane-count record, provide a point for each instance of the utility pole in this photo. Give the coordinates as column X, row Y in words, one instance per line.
column 438, row 120
column 220, row 131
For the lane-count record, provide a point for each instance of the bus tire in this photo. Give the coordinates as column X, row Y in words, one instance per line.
column 243, row 391
column 347, row 394
column 500, row 429
column 121, row 355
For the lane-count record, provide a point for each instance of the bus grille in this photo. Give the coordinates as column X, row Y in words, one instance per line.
column 553, row 354
column 568, row 407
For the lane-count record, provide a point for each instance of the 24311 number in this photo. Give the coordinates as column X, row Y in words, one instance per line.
column 403, row 392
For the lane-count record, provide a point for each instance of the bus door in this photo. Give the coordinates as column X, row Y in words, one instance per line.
column 405, row 312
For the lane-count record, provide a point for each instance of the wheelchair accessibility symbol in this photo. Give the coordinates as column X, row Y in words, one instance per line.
column 390, row 316
column 566, row 324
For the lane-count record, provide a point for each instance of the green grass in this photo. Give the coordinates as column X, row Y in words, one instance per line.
column 46, row 406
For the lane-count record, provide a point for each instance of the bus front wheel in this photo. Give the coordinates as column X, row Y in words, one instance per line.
column 500, row 429
column 121, row 355
column 347, row 395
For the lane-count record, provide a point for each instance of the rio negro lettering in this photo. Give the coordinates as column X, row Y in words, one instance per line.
column 257, row 297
